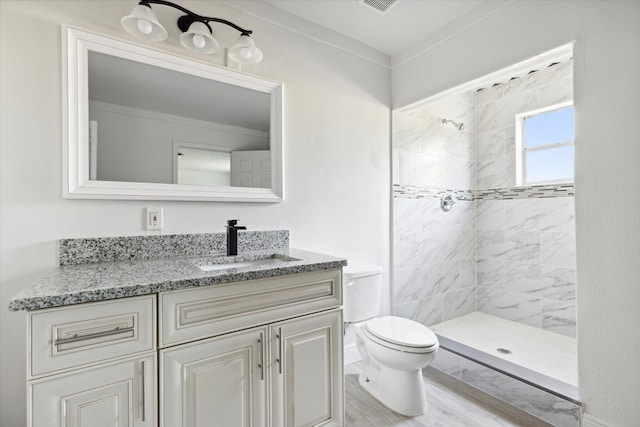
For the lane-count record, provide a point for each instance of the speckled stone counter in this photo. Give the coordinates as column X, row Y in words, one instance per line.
column 98, row 281
column 136, row 248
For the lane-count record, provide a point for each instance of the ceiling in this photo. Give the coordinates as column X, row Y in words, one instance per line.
column 404, row 25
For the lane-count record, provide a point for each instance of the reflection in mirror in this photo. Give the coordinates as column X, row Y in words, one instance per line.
column 153, row 126
column 202, row 167
column 139, row 110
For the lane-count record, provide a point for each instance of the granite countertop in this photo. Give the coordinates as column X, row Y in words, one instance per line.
column 89, row 282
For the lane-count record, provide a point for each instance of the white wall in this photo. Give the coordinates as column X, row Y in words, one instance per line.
column 606, row 90
column 337, row 156
column 137, row 145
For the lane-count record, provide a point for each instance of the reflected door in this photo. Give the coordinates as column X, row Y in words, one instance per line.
column 251, row 169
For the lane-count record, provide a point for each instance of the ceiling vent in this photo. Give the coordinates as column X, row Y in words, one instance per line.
column 381, row 6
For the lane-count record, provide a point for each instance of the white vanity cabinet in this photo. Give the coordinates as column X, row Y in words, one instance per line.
column 274, row 356
column 93, row 365
column 260, row 353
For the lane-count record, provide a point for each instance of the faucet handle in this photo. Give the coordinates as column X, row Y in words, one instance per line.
column 231, row 223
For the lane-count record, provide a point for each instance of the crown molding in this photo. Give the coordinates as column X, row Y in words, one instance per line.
column 265, row 11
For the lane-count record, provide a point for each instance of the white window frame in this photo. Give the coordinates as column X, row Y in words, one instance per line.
column 521, row 150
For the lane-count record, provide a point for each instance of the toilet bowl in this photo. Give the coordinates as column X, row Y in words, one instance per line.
column 393, row 349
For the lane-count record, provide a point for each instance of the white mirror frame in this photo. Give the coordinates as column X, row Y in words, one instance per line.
column 76, row 45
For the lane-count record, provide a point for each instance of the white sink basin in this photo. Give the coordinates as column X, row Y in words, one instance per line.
column 225, row 263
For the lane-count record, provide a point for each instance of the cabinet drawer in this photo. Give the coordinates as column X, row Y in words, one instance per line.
column 67, row 337
column 198, row 313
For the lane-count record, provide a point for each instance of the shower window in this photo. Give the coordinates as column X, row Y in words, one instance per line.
column 544, row 143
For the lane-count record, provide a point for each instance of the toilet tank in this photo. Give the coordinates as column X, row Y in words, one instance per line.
column 361, row 285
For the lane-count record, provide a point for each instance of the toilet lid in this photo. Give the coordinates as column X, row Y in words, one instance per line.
column 401, row 331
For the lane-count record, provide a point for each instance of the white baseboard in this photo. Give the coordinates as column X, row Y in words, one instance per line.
column 351, row 354
column 591, row 421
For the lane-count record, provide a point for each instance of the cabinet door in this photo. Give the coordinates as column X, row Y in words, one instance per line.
column 307, row 371
column 216, row 382
column 122, row 394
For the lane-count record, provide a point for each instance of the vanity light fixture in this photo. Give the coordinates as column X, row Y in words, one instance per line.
column 197, row 34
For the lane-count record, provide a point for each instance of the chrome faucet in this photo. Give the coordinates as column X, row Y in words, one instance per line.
column 232, row 237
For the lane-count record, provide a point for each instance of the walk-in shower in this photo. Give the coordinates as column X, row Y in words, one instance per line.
column 494, row 274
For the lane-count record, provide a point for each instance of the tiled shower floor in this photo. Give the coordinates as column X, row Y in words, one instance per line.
column 545, row 352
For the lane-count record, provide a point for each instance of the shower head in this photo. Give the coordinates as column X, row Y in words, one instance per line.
column 459, row 126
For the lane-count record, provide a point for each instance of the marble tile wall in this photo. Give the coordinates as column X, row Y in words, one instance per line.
column 427, row 152
column 526, row 246
column 506, row 251
column 526, row 261
column 434, row 251
column 513, row 259
column 434, row 277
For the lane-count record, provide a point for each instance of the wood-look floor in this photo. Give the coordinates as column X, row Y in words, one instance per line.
column 451, row 404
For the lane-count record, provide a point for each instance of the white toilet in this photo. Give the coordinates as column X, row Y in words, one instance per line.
column 393, row 349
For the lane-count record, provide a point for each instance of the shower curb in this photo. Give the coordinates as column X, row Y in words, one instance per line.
column 545, row 398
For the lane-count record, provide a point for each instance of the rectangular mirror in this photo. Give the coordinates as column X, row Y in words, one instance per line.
column 143, row 124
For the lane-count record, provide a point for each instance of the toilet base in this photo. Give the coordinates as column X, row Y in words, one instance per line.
column 400, row 391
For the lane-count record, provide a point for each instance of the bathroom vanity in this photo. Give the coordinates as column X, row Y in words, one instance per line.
column 191, row 341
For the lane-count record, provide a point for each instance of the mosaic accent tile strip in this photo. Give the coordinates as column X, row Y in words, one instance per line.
column 416, row 192
column 530, row 192
column 137, row 248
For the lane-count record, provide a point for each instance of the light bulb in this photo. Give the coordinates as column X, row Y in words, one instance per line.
column 245, row 53
column 144, row 26
column 198, row 41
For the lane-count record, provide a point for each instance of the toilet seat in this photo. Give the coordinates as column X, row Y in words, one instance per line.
column 401, row 334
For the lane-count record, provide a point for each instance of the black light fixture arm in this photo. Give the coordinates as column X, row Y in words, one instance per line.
column 185, row 21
